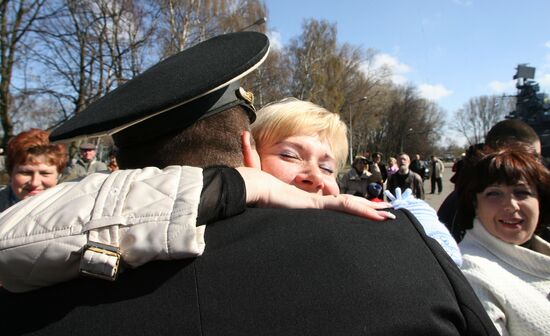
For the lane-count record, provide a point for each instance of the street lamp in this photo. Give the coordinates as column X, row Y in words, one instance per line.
column 351, row 129
column 410, row 131
column 258, row 22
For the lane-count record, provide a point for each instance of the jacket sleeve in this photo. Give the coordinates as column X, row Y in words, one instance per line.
column 148, row 214
column 420, row 186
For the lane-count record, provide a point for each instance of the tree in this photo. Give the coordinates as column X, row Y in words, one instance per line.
column 71, row 55
column 362, row 81
column 184, row 23
column 83, row 49
column 314, row 62
column 123, row 31
column 269, row 82
column 88, row 49
column 35, row 111
column 337, row 77
column 478, row 115
column 408, row 123
column 18, row 19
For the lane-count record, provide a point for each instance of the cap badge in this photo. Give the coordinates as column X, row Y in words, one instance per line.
column 245, row 95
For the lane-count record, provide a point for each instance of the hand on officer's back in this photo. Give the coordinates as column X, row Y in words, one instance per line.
column 264, row 190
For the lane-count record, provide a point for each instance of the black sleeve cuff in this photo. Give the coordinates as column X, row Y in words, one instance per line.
column 223, row 194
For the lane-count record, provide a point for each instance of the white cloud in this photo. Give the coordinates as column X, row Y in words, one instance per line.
column 275, row 40
column 397, row 69
column 434, row 92
column 499, row 87
column 399, row 80
column 544, row 72
column 392, row 63
column 399, row 73
column 544, row 82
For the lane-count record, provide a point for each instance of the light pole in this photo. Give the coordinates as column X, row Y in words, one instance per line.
column 410, row 131
column 258, row 22
column 351, row 129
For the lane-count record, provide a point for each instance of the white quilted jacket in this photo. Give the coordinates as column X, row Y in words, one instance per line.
column 149, row 214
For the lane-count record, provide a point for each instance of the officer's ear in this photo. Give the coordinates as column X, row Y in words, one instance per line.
column 250, row 155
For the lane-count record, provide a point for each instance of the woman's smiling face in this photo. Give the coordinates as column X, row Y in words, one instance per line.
column 509, row 212
column 33, row 178
column 303, row 161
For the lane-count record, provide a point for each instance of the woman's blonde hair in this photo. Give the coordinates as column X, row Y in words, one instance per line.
column 291, row 117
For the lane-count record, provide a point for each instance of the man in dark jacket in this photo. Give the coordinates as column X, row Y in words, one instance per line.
column 265, row 271
column 418, row 166
column 406, row 178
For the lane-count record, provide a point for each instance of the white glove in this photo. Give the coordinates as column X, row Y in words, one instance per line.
column 427, row 217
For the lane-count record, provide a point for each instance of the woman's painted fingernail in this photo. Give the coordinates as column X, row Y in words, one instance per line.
column 389, row 215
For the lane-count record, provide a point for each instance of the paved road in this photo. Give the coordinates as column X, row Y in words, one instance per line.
column 436, row 199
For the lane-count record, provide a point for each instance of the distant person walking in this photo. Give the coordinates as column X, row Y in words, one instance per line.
column 405, row 178
column 418, row 166
column 436, row 174
column 87, row 163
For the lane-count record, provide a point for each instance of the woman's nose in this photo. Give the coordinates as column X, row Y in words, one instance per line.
column 511, row 203
column 310, row 179
column 36, row 180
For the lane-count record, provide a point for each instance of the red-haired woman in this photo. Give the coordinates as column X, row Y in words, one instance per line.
column 33, row 164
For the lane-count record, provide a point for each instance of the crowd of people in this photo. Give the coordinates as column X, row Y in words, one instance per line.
column 218, row 222
column 399, row 173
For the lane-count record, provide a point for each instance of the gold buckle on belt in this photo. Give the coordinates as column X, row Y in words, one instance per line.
column 105, row 249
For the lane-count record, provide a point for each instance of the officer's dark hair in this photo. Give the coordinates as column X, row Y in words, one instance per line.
column 510, row 130
column 211, row 141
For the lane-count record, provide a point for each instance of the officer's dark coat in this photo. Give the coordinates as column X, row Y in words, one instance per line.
column 271, row 272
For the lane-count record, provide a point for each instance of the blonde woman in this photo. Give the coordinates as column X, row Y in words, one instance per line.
column 299, row 143
column 302, row 144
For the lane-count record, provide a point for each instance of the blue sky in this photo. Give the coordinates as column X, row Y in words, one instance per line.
column 452, row 50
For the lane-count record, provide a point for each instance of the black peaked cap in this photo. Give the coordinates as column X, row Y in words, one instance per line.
column 192, row 75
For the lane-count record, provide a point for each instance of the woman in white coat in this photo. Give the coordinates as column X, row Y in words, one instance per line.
column 508, row 265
